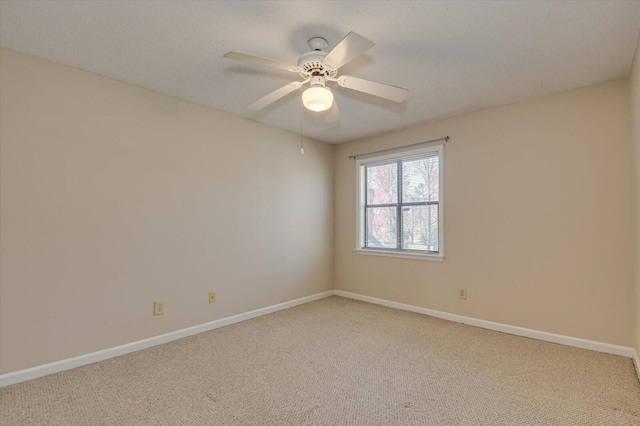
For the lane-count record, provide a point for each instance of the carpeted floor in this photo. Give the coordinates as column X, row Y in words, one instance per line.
column 338, row 362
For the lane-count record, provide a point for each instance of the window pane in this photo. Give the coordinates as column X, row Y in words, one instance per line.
column 382, row 227
column 382, row 184
column 420, row 179
column 420, row 228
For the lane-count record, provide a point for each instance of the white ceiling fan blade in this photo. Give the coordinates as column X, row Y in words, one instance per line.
column 274, row 96
column 351, row 46
column 397, row 94
column 333, row 114
column 239, row 56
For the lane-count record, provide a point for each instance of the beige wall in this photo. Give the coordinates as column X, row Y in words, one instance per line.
column 538, row 210
column 114, row 196
column 635, row 113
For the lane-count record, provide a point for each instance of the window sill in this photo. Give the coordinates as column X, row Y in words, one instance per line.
column 406, row 255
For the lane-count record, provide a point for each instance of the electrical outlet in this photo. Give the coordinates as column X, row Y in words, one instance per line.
column 462, row 293
column 212, row 297
column 158, row 308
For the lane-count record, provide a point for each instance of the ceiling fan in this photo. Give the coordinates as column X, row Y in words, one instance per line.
column 317, row 67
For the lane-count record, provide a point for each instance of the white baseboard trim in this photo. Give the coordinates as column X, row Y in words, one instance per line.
column 510, row 329
column 67, row 364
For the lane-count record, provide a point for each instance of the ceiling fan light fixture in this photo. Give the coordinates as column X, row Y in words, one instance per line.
column 317, row 98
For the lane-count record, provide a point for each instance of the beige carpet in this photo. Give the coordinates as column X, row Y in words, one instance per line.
column 338, row 362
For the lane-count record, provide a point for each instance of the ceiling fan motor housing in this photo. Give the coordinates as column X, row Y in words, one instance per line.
column 311, row 64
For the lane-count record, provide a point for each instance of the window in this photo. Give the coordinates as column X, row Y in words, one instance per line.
column 400, row 204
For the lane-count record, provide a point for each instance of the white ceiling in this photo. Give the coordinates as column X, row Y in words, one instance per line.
column 454, row 57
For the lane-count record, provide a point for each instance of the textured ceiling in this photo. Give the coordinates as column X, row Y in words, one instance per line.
column 454, row 57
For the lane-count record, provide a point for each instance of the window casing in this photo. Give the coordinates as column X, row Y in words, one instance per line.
column 399, row 207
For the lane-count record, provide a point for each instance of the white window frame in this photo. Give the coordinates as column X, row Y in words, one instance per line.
column 361, row 201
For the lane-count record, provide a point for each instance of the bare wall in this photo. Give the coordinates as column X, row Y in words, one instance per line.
column 113, row 196
column 538, row 210
column 635, row 114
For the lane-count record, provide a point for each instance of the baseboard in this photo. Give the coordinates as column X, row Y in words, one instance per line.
column 67, row 364
column 510, row 329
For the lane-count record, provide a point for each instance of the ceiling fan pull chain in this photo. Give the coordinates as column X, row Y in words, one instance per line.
column 301, row 137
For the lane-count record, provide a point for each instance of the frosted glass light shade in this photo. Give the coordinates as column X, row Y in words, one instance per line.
column 317, row 98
